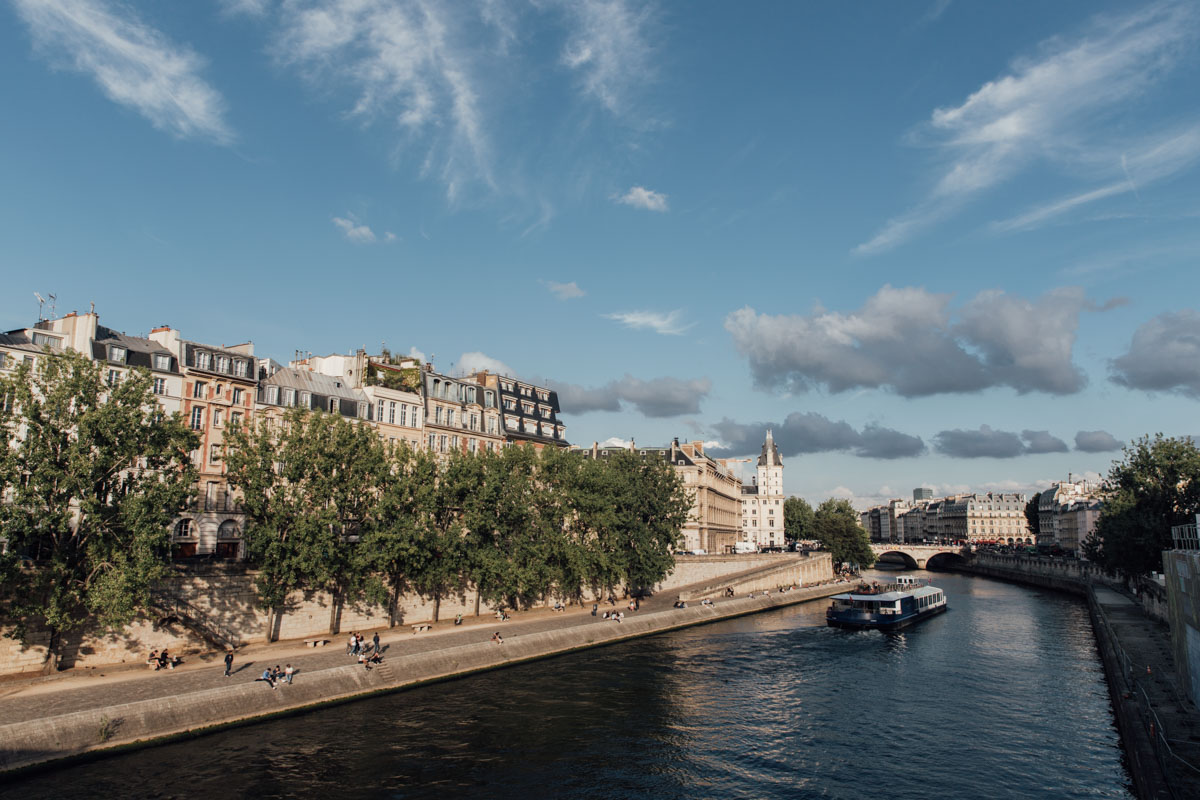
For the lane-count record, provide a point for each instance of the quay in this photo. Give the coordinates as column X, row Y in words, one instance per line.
column 49, row 721
column 1160, row 727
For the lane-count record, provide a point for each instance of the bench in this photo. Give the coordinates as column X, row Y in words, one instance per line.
column 422, row 626
column 315, row 642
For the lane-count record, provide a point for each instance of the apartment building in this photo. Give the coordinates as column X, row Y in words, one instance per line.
column 762, row 499
column 460, row 415
column 529, row 413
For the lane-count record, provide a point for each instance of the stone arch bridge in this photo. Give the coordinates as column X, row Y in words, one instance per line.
column 918, row 556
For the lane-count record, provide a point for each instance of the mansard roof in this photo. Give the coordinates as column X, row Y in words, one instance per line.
column 770, row 453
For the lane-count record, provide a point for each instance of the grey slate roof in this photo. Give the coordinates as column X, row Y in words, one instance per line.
column 139, row 352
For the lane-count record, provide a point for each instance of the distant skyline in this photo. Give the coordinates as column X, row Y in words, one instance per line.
column 947, row 244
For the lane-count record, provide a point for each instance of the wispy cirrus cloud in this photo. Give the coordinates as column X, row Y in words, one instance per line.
column 668, row 323
column 1054, row 107
column 408, row 62
column 643, row 198
column 609, row 49
column 135, row 64
column 564, row 291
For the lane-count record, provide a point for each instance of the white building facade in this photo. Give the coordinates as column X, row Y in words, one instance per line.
column 762, row 501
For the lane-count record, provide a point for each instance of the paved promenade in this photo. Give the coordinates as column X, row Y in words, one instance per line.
column 39, row 699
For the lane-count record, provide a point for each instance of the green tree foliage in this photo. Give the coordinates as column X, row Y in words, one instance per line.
column 835, row 526
column 1154, row 486
column 96, row 475
column 798, row 519
column 651, row 507
column 1031, row 514
column 309, row 484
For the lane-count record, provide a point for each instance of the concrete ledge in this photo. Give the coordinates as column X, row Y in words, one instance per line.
column 25, row 744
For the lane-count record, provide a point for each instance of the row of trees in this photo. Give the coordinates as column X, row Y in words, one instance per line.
column 834, row 524
column 332, row 507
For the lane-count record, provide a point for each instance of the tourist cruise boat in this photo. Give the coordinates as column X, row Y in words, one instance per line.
column 886, row 607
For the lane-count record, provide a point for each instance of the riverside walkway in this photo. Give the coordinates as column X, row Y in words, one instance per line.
column 60, row 717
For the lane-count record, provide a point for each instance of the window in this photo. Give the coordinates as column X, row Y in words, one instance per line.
column 42, row 340
column 453, row 442
column 449, row 416
column 437, row 415
column 198, row 389
column 306, row 399
column 214, row 455
column 183, row 529
column 237, row 396
column 239, row 368
column 235, row 418
column 210, row 495
column 228, row 530
column 223, row 364
column 474, row 422
column 362, row 410
column 391, row 413
column 379, row 411
column 114, row 377
column 289, row 397
column 510, row 404
column 333, row 405
column 404, row 414
column 472, row 445
column 431, row 439
column 272, row 395
column 160, row 385
column 204, row 360
column 162, row 362
column 442, row 443
column 197, row 419
column 218, row 417
column 491, row 425
column 116, row 354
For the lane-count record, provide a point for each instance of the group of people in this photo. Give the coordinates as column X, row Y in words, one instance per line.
column 618, row 616
column 275, row 676
column 162, row 660
column 367, row 654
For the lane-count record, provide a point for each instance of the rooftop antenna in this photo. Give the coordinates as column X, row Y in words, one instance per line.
column 53, row 298
column 41, row 302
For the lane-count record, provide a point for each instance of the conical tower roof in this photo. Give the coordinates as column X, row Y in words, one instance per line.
column 770, row 453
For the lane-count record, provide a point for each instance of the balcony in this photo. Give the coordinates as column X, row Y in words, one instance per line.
column 1185, row 537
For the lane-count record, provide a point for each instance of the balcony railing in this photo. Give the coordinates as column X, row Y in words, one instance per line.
column 1185, row 537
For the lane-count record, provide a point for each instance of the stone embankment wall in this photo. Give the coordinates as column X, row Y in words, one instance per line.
column 812, row 569
column 50, row 738
column 224, row 596
column 1182, row 571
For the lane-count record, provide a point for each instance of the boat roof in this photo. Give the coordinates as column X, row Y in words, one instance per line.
column 890, row 597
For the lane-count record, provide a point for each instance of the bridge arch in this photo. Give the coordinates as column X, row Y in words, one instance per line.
column 944, row 560
column 909, row 561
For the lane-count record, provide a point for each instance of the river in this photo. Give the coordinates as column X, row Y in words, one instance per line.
column 1001, row 697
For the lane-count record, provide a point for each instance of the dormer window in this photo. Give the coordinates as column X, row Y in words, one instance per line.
column 162, row 362
column 333, row 405
column 239, row 368
column 42, row 340
column 203, row 360
column 223, row 364
column 306, row 400
column 116, row 354
column 273, row 395
column 289, row 397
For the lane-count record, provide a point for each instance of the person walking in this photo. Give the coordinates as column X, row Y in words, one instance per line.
column 350, row 644
column 375, row 639
column 228, row 663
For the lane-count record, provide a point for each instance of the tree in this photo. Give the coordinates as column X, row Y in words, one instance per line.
column 310, row 491
column 651, row 508
column 836, row 527
column 1156, row 485
column 798, row 519
column 1031, row 514
column 96, row 474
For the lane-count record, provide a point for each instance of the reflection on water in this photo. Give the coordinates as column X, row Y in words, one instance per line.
column 1001, row 697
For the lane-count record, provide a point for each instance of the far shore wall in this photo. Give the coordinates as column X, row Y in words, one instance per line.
column 226, row 597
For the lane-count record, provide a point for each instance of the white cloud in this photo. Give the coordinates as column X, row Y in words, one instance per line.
column 615, row 441
column 419, row 355
column 892, row 341
column 354, row 231
column 640, row 197
column 668, row 324
column 250, row 8
column 1056, row 107
column 475, row 361
column 134, row 64
column 609, row 49
column 1156, row 162
column 564, row 291
column 404, row 61
column 656, row 397
column 389, row 237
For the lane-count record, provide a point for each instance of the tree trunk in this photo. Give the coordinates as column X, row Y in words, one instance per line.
column 395, row 604
column 337, row 599
column 477, row 601
column 53, row 652
column 437, row 605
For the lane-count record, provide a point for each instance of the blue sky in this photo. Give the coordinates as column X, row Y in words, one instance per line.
column 945, row 244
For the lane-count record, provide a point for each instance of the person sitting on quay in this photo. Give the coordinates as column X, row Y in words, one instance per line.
column 497, row 638
column 152, row 660
column 288, row 672
column 376, row 658
column 458, row 619
column 267, row 678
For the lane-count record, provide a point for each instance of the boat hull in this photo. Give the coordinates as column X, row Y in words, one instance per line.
column 879, row 623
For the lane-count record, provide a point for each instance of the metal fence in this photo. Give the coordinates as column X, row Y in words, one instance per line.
column 1185, row 537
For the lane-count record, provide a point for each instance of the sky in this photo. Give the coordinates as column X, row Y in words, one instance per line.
column 939, row 244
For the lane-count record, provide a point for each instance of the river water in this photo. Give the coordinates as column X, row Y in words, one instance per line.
column 1001, row 697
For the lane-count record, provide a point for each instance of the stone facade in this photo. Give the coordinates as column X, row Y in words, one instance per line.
column 762, row 501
